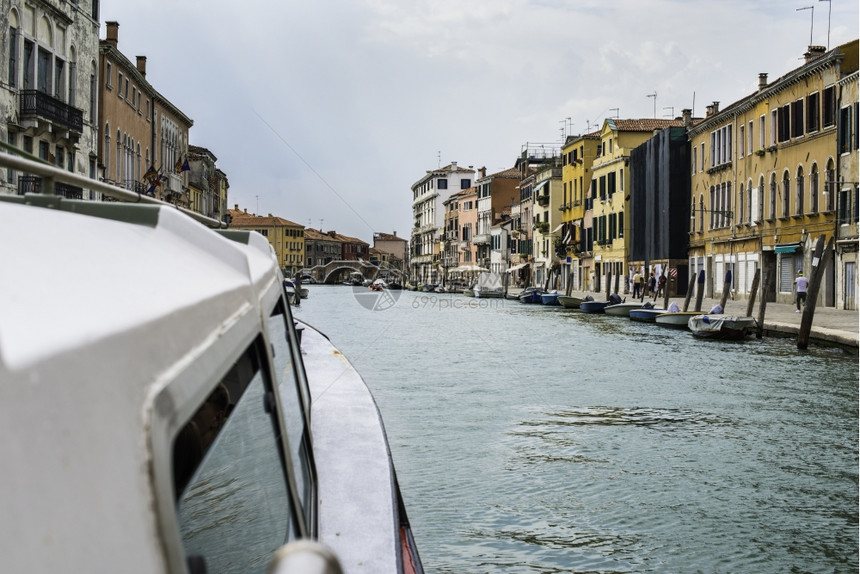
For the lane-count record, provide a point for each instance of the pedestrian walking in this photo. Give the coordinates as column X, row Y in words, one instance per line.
column 801, row 284
column 652, row 285
column 637, row 285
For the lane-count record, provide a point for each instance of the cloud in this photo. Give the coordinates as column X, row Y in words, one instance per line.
column 332, row 110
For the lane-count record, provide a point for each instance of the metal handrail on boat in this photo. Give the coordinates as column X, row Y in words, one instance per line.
column 20, row 160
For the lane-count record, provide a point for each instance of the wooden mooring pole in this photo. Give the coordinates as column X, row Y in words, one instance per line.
column 727, row 289
column 608, row 284
column 689, row 296
column 820, row 259
column 766, row 287
column 700, row 291
column 753, row 292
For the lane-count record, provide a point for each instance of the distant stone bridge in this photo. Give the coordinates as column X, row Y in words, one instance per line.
column 332, row 272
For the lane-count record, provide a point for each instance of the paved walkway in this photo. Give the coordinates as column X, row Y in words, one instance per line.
column 829, row 325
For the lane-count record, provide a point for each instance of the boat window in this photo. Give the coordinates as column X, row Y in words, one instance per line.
column 235, row 511
column 289, row 374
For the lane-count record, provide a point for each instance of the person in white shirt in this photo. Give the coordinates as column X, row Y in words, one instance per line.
column 802, row 284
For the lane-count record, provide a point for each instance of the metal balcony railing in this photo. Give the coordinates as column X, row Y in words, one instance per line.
column 36, row 103
column 33, row 184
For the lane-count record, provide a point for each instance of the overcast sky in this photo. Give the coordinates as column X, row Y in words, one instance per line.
column 330, row 110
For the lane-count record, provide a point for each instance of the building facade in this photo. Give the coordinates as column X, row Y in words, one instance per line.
column 495, row 195
column 547, row 226
column 577, row 156
column 321, row 248
column 660, row 207
column 49, row 94
column 764, row 179
column 396, row 247
column 207, row 185
column 428, row 215
column 144, row 138
column 845, row 264
column 287, row 238
column 610, row 191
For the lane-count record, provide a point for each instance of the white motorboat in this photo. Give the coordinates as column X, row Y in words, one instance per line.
column 720, row 326
column 160, row 417
column 622, row 309
column 489, row 286
column 678, row 319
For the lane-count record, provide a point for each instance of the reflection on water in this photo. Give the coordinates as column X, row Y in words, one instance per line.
column 532, row 439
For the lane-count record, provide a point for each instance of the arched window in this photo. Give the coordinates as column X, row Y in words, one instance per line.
column 118, row 174
column 73, row 77
column 741, row 215
column 693, row 216
column 830, row 186
column 750, row 193
column 813, row 189
column 701, row 212
column 799, row 192
column 771, row 213
column 786, row 188
column 107, row 151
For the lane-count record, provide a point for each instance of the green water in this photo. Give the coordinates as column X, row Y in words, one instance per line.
column 542, row 440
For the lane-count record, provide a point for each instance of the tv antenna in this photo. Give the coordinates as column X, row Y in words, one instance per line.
column 438, row 159
column 616, row 110
column 672, row 113
column 654, row 95
column 829, row 8
column 811, row 19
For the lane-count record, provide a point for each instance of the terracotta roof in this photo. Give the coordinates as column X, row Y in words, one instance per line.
column 388, row 237
column 317, row 235
column 644, row 124
column 510, row 173
column 243, row 219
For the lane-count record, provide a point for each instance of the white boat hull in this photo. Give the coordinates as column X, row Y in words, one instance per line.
column 720, row 326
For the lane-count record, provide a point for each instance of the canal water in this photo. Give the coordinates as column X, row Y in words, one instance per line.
column 544, row 440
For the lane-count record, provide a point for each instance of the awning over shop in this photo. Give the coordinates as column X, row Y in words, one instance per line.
column 785, row 248
column 558, row 228
column 516, row 267
column 540, row 185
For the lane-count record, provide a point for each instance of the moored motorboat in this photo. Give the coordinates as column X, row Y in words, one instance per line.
column 720, row 326
column 678, row 319
column 531, row 295
column 183, row 436
column 593, row 306
column 622, row 309
column 549, row 299
column 646, row 314
column 569, row 302
column 489, row 286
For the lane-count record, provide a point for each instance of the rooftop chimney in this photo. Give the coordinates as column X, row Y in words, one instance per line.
column 237, row 207
column 395, row 234
column 112, row 33
column 762, row 80
column 453, row 166
column 814, row 53
column 687, row 115
column 483, row 171
column 141, row 65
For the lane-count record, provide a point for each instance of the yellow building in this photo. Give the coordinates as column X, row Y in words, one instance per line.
column 762, row 174
column 848, row 201
column 610, row 192
column 287, row 238
column 577, row 156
